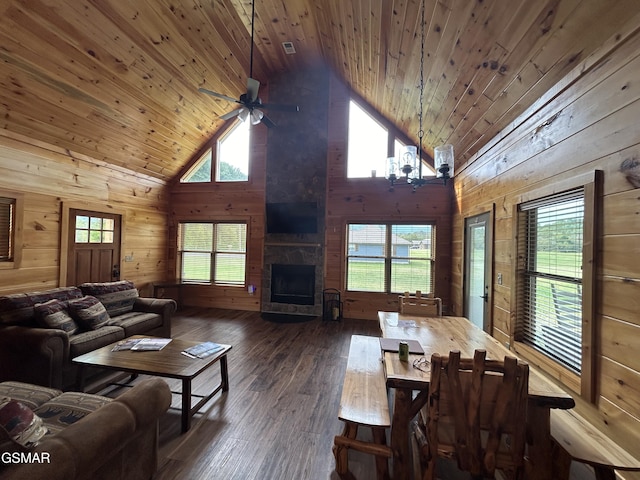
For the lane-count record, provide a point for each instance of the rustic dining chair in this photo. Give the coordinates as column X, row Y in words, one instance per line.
column 475, row 414
column 428, row 306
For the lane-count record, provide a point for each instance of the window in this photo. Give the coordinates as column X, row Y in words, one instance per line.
column 232, row 153
column 368, row 140
column 201, row 170
column 90, row 229
column 368, row 145
column 390, row 258
column 213, row 252
column 551, row 236
column 7, row 227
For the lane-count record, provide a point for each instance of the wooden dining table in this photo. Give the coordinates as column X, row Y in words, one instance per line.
column 442, row 335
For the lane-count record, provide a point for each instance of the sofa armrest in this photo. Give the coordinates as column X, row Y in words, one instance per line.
column 33, row 355
column 102, row 442
column 165, row 307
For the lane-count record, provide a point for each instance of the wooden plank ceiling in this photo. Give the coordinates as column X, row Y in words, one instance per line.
column 118, row 80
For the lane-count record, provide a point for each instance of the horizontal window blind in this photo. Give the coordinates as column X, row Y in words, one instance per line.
column 390, row 258
column 552, row 281
column 7, row 206
column 213, row 252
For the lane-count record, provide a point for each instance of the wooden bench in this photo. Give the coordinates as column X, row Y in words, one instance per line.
column 580, row 440
column 364, row 402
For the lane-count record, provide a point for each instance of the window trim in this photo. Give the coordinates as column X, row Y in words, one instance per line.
column 388, row 254
column 212, row 253
column 592, row 184
column 17, row 231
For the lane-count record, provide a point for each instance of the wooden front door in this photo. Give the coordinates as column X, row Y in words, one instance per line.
column 94, row 247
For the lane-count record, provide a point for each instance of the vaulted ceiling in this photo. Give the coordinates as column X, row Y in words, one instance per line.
column 118, row 80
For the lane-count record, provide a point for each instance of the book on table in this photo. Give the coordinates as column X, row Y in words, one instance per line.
column 150, row 344
column 203, row 350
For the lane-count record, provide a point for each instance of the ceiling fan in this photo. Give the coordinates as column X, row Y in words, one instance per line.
column 252, row 106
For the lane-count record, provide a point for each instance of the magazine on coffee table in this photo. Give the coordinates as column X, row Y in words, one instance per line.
column 202, row 350
column 150, row 344
column 125, row 344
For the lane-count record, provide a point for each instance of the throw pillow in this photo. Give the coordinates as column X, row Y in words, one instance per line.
column 117, row 297
column 20, row 423
column 89, row 312
column 54, row 314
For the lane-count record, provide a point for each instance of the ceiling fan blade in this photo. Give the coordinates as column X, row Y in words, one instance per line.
column 281, row 108
column 267, row 121
column 215, row 94
column 252, row 89
column 231, row 114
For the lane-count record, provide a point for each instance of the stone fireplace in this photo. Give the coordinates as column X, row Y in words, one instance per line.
column 295, row 194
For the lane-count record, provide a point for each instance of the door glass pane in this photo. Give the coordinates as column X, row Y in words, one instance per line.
column 82, row 221
column 82, row 236
column 108, row 223
column 96, row 223
column 476, row 274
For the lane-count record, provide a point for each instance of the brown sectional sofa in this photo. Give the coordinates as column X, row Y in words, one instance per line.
column 90, row 437
column 39, row 337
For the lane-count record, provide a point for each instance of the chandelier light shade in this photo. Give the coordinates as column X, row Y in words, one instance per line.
column 443, row 161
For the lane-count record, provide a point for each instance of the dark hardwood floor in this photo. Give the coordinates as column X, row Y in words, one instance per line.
column 278, row 420
column 279, row 417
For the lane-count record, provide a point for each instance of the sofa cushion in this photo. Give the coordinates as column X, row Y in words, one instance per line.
column 89, row 312
column 117, row 297
column 20, row 423
column 68, row 408
column 137, row 323
column 18, row 309
column 31, row 395
column 85, row 342
column 54, row 314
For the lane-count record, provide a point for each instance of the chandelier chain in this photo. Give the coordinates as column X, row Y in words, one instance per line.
column 420, row 129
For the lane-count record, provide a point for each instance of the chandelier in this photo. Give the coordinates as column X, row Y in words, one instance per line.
column 408, row 167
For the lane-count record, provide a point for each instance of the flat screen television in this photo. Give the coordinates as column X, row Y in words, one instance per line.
column 297, row 218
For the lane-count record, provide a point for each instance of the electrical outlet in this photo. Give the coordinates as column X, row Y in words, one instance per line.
column 499, row 279
column 128, row 258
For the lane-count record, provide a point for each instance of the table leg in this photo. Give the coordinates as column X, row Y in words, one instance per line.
column 186, row 404
column 540, row 448
column 400, row 434
column 224, row 373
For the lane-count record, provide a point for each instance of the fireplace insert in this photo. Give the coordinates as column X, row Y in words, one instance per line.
column 293, row 284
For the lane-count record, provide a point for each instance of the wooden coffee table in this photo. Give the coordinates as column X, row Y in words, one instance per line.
column 168, row 362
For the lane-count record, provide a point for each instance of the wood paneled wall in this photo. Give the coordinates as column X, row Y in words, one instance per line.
column 587, row 122
column 369, row 200
column 210, row 202
column 48, row 178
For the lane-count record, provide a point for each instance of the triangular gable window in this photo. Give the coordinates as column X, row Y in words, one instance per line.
column 201, row 170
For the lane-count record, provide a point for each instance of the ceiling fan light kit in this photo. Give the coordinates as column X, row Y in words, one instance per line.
column 252, row 106
column 409, row 166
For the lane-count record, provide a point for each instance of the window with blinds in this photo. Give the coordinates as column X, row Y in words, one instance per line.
column 7, row 221
column 213, row 252
column 551, row 238
column 390, row 258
